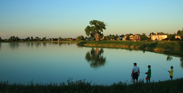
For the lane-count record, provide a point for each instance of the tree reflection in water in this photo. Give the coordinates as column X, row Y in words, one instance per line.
column 14, row 45
column 169, row 58
column 181, row 62
column 95, row 57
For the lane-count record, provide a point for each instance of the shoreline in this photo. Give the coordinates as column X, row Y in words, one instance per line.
column 81, row 86
column 165, row 47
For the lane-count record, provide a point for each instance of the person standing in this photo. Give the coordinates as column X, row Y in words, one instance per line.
column 135, row 72
column 148, row 74
column 171, row 72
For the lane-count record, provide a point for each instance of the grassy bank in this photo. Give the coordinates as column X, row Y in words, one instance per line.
column 171, row 47
column 175, row 86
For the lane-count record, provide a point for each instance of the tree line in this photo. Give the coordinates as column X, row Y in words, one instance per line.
column 16, row 38
column 94, row 31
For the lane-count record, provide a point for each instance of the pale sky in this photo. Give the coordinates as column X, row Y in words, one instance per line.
column 68, row 18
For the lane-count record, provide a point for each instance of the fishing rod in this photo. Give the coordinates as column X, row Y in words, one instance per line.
column 163, row 68
column 142, row 72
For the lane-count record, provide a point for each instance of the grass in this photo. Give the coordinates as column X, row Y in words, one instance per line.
column 174, row 86
column 169, row 47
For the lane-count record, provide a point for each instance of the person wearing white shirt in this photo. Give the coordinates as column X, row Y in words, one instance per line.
column 135, row 73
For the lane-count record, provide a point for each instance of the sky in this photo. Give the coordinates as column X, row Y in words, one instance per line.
column 69, row 18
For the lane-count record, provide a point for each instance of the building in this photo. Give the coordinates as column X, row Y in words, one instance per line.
column 135, row 37
column 177, row 37
column 148, row 36
column 131, row 37
column 125, row 37
column 159, row 36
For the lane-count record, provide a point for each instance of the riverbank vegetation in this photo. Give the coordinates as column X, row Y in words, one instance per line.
column 170, row 47
column 174, row 86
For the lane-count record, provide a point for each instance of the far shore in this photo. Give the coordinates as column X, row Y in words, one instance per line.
column 165, row 47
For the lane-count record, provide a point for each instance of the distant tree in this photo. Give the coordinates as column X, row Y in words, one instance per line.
column 44, row 39
column 152, row 33
column 13, row 38
column 32, row 39
column 116, row 37
column 60, row 39
column 171, row 37
column 27, row 39
column 106, row 37
column 143, row 36
column 38, row 39
column 17, row 38
column 179, row 32
column 122, row 35
column 112, row 37
column 80, row 37
column 95, row 29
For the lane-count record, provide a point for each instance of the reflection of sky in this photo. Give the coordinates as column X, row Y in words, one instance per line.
column 57, row 63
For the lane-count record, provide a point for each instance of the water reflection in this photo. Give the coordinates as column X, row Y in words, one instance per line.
column 181, row 62
column 44, row 44
column 25, row 62
column 28, row 44
column 95, row 57
column 14, row 45
column 38, row 44
column 143, row 50
column 169, row 58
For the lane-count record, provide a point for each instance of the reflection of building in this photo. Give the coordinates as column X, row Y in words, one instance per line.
column 181, row 62
column 159, row 36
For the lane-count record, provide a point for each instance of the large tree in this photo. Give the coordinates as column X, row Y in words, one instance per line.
column 95, row 29
column 171, row 36
column 80, row 37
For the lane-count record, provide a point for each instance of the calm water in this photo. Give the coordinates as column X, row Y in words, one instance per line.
column 57, row 62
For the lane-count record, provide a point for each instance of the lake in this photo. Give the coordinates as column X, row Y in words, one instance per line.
column 57, row 62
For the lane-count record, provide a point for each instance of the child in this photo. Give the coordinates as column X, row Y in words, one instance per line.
column 148, row 74
column 171, row 72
